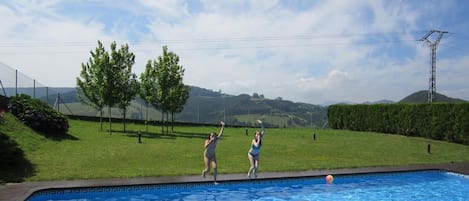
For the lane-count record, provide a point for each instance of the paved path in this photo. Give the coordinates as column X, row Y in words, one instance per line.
column 21, row 191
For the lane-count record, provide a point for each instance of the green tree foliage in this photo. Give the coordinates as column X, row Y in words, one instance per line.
column 107, row 79
column 90, row 82
column 179, row 96
column 127, row 82
column 178, row 92
column 162, row 84
column 149, row 85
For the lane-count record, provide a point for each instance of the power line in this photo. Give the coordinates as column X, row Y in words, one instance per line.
column 203, row 40
column 145, row 48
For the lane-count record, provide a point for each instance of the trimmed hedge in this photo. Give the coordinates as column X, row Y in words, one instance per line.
column 439, row 121
column 38, row 115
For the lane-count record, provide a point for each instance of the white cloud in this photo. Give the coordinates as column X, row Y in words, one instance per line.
column 47, row 48
column 311, row 53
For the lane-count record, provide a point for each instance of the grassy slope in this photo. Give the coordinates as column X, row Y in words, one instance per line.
column 90, row 153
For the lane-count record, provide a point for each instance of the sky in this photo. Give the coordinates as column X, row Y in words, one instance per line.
column 306, row 51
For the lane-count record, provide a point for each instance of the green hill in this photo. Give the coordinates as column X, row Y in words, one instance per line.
column 207, row 106
column 422, row 97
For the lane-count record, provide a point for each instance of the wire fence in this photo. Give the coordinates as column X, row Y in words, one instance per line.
column 64, row 100
column 13, row 82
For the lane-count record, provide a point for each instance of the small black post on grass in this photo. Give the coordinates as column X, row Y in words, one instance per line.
column 140, row 137
column 314, row 136
column 429, row 148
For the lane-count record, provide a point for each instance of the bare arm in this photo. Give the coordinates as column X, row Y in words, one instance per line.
column 222, row 129
column 208, row 142
column 262, row 126
column 215, row 138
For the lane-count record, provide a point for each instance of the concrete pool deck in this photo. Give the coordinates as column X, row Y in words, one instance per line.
column 21, row 191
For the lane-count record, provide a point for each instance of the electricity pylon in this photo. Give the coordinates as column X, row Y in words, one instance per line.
column 433, row 46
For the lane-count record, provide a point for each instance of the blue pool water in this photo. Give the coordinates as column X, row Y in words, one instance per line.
column 422, row 185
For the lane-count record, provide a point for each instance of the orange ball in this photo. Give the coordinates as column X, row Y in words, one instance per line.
column 329, row 179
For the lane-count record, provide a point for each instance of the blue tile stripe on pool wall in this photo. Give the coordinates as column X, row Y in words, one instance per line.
column 183, row 186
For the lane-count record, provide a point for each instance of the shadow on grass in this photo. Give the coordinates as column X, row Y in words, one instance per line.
column 173, row 135
column 15, row 167
column 58, row 137
column 61, row 137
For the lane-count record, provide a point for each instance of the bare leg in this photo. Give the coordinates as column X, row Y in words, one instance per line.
column 251, row 169
column 256, row 165
column 207, row 166
column 214, row 165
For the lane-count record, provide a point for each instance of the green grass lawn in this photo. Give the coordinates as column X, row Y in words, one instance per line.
column 91, row 153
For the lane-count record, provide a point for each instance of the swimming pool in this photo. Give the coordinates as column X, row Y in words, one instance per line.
column 421, row 185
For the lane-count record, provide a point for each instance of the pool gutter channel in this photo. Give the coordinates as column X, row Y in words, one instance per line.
column 21, row 191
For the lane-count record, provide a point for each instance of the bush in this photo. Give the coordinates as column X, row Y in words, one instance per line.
column 38, row 115
column 2, row 118
column 439, row 121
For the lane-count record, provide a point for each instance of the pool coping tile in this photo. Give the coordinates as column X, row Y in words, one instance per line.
column 21, row 191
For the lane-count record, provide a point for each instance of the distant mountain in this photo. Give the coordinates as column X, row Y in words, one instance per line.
column 209, row 106
column 337, row 103
column 422, row 97
column 384, row 101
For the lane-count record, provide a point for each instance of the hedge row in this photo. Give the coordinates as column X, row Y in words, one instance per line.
column 439, row 121
column 38, row 115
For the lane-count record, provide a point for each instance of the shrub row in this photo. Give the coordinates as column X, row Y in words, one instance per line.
column 38, row 115
column 439, row 121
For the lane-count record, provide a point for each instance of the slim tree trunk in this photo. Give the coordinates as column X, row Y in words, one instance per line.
column 162, row 122
column 110, row 129
column 101, row 118
column 167, row 122
column 125, row 111
column 172, row 122
column 146, row 121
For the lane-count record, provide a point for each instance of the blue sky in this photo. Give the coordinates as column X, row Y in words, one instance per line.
column 304, row 51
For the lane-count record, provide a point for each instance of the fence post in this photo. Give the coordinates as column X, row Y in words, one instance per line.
column 34, row 88
column 47, row 95
column 57, row 101
column 16, row 82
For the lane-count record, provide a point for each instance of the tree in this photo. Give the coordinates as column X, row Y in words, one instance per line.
column 92, row 76
column 149, row 85
column 107, row 80
column 110, row 85
column 161, row 84
column 179, row 95
column 127, row 83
